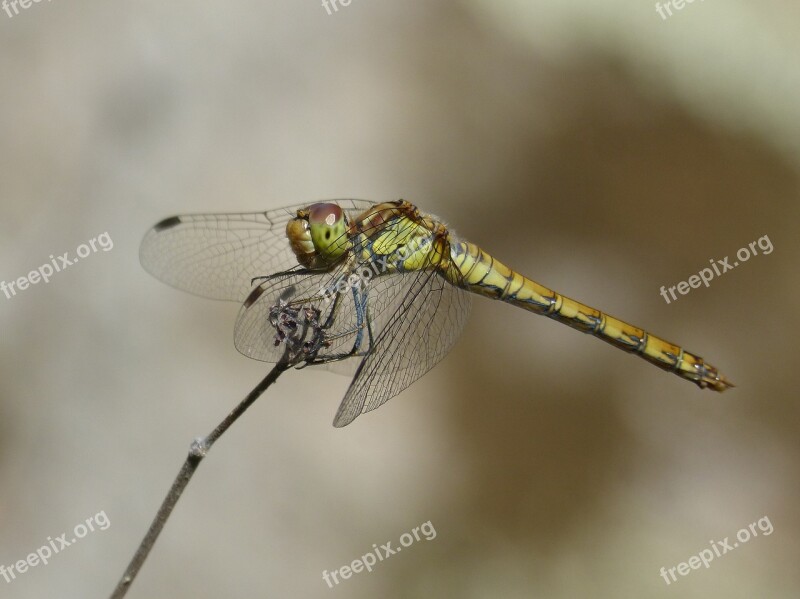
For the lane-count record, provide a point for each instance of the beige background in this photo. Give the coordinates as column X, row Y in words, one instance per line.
column 593, row 146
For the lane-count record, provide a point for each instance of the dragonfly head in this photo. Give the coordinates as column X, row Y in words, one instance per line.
column 318, row 235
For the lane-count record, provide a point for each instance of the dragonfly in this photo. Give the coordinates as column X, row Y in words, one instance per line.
column 380, row 291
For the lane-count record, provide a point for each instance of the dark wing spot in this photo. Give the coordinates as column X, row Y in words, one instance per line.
column 167, row 223
column 253, row 297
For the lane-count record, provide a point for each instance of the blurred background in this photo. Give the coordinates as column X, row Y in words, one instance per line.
column 599, row 148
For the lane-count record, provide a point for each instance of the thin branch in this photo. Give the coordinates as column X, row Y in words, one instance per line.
column 197, row 452
column 300, row 333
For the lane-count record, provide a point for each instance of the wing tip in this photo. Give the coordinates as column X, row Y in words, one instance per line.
column 342, row 420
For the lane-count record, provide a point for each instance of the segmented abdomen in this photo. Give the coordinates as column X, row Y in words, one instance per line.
column 480, row 273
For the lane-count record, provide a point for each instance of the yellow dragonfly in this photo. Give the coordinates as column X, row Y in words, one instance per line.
column 379, row 290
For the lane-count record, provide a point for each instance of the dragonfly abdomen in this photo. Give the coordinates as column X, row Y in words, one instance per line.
column 480, row 273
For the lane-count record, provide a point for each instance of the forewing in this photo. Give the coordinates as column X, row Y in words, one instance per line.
column 218, row 255
column 420, row 317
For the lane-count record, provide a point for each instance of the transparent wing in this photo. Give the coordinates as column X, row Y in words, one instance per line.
column 218, row 255
column 420, row 318
column 341, row 313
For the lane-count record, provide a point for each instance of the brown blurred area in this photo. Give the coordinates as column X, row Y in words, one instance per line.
column 600, row 151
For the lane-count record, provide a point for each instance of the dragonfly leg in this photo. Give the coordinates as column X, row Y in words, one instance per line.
column 362, row 322
column 369, row 330
column 265, row 278
column 361, row 317
column 332, row 314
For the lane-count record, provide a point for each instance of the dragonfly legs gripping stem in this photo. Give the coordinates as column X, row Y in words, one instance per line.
column 299, row 330
column 297, row 325
column 362, row 322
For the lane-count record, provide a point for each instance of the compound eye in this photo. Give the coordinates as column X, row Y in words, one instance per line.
column 328, row 230
column 324, row 214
